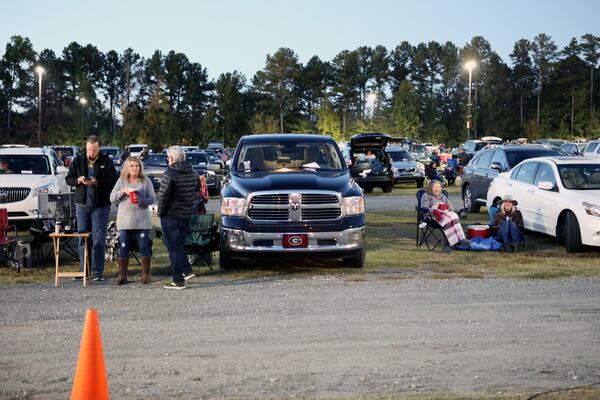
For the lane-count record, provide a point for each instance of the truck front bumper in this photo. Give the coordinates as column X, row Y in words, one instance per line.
column 240, row 241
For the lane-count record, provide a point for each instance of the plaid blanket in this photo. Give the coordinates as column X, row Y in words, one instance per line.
column 450, row 224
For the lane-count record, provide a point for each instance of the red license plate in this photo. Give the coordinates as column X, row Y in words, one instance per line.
column 295, row 241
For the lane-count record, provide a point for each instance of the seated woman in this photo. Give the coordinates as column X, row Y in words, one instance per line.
column 442, row 211
column 507, row 226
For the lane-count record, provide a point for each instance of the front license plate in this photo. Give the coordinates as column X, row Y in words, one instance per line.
column 295, row 240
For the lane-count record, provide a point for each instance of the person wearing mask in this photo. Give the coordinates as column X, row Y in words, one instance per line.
column 132, row 194
column 442, row 211
column 179, row 186
column 508, row 227
column 93, row 175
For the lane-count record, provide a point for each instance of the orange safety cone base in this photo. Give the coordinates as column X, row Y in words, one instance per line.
column 90, row 381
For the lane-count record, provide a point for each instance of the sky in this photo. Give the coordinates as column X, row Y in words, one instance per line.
column 228, row 35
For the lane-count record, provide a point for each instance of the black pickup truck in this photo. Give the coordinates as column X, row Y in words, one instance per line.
column 291, row 195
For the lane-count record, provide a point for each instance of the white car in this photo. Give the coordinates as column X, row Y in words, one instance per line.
column 558, row 196
column 592, row 150
column 24, row 174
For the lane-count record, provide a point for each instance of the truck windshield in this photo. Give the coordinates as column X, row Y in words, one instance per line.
column 284, row 156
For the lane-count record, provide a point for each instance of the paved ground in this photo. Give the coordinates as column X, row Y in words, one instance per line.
column 314, row 336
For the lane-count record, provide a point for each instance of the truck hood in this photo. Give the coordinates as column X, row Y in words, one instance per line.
column 24, row 180
column 244, row 183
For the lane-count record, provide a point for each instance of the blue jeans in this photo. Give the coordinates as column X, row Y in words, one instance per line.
column 94, row 220
column 509, row 233
column 174, row 231
column 140, row 236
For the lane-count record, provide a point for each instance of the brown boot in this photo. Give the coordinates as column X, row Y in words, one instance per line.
column 145, row 279
column 122, row 278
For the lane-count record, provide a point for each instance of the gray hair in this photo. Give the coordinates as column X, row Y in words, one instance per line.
column 176, row 152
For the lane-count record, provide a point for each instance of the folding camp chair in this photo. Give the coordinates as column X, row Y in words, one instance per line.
column 201, row 240
column 113, row 244
column 10, row 254
column 429, row 231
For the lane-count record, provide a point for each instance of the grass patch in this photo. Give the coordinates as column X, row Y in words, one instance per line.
column 392, row 254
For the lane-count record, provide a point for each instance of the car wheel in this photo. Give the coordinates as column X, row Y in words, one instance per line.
column 356, row 261
column 468, row 200
column 420, row 183
column 387, row 188
column 572, row 234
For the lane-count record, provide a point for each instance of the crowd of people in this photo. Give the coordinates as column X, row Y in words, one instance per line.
column 97, row 186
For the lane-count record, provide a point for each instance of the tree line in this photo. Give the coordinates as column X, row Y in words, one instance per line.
column 412, row 91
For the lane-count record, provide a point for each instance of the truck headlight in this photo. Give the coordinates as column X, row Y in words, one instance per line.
column 354, row 205
column 233, row 206
column 591, row 209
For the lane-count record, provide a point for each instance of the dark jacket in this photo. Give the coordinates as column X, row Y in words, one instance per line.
column 104, row 172
column 515, row 216
column 178, row 187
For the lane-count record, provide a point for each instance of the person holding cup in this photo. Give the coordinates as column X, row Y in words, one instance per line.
column 508, row 227
column 132, row 194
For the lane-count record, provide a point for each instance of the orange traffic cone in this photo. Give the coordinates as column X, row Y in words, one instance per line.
column 90, row 376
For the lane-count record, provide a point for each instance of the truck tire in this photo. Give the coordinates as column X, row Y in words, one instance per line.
column 420, row 183
column 572, row 234
column 357, row 260
column 225, row 262
column 387, row 188
column 470, row 204
column 368, row 189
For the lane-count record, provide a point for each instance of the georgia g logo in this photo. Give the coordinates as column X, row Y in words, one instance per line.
column 295, row 240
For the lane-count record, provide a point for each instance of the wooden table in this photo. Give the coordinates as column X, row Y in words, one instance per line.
column 86, row 267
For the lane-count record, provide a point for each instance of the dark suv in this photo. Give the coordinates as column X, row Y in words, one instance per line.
column 473, row 146
column 291, row 195
column 488, row 163
column 370, row 165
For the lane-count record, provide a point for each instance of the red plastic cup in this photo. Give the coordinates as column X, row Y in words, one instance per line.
column 133, row 197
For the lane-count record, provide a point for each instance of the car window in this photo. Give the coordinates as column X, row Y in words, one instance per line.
column 55, row 161
column 485, row 158
column 515, row 172
column 526, row 172
column 545, row 173
column 580, row 176
column 515, row 157
column 591, row 147
column 500, row 158
column 400, row 156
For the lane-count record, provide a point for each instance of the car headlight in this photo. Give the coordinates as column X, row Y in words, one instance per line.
column 47, row 188
column 354, row 205
column 233, row 206
column 591, row 209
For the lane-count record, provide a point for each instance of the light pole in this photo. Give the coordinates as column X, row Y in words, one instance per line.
column 39, row 70
column 469, row 65
column 83, row 102
column 371, row 99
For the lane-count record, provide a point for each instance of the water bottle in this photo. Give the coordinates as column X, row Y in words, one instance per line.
column 57, row 227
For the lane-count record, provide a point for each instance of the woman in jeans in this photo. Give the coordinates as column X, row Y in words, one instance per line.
column 132, row 194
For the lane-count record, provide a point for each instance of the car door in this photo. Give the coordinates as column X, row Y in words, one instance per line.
column 481, row 180
column 522, row 191
column 545, row 207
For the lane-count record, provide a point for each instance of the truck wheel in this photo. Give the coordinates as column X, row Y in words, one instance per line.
column 572, row 234
column 356, row 261
column 468, row 200
column 225, row 262
column 368, row 189
column 387, row 188
column 420, row 183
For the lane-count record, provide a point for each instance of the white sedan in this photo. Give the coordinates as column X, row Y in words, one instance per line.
column 558, row 196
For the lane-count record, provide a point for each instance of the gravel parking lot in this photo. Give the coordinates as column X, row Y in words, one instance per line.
column 317, row 336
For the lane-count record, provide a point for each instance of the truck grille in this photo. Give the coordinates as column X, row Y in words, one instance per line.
column 12, row 195
column 300, row 207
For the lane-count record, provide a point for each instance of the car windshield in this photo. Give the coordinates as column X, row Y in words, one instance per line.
column 136, row 149
column 110, row 152
column 282, row 157
column 515, row 157
column 24, row 164
column 418, row 148
column 580, row 176
column 156, row 160
column 400, row 156
column 196, row 158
